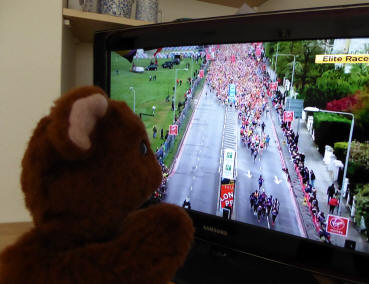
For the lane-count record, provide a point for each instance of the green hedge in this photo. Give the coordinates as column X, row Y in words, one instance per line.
column 340, row 150
column 362, row 205
column 358, row 171
column 357, row 174
column 329, row 129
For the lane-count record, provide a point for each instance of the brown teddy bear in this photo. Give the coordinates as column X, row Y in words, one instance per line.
column 87, row 169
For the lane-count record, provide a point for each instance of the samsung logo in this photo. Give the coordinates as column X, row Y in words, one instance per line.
column 215, row 230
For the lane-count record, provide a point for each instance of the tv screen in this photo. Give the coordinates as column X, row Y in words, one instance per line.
column 268, row 136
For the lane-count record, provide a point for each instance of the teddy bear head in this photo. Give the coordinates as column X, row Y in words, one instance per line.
column 88, row 164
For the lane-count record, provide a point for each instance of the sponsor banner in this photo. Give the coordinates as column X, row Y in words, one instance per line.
column 232, row 93
column 342, row 58
column 228, row 164
column 226, row 195
column 232, row 90
column 337, row 225
column 173, row 129
column 273, row 86
column 201, row 73
column 288, row 116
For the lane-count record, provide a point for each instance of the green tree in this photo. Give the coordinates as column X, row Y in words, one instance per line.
column 306, row 71
column 335, row 84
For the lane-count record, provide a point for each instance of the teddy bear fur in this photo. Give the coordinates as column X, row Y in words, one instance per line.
column 87, row 170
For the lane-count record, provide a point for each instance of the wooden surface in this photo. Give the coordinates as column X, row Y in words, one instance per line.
column 85, row 24
column 236, row 3
column 10, row 232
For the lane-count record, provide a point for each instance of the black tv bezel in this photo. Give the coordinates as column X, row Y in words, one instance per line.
column 321, row 23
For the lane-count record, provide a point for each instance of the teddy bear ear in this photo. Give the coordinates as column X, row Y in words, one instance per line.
column 83, row 117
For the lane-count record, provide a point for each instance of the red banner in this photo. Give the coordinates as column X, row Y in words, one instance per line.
column 288, row 116
column 226, row 195
column 173, row 129
column 337, row 225
column 201, row 73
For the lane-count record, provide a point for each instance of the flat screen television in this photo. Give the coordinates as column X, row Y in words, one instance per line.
column 242, row 114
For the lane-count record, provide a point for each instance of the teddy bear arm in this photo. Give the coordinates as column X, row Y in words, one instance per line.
column 153, row 244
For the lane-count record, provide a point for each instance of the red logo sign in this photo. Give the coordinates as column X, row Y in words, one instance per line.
column 288, row 116
column 201, row 73
column 337, row 225
column 173, row 129
column 226, row 195
column 273, row 86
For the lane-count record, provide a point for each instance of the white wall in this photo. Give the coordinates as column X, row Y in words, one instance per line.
column 30, row 58
column 84, row 64
column 273, row 5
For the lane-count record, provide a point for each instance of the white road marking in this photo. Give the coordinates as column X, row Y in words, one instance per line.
column 276, row 180
column 249, row 174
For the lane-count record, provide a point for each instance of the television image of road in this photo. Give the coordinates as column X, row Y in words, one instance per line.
column 216, row 126
column 261, row 133
column 196, row 172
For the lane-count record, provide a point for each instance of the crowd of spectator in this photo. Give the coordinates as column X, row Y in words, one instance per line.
column 160, row 193
column 306, row 176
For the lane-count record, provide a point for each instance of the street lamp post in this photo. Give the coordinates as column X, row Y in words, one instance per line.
column 293, row 70
column 134, row 98
column 275, row 62
column 314, row 109
column 175, row 90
